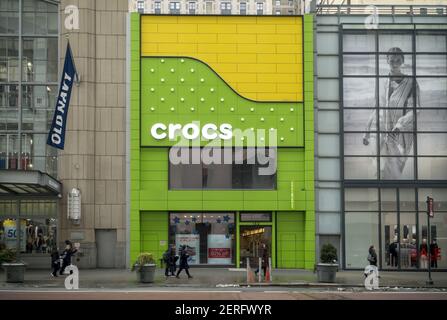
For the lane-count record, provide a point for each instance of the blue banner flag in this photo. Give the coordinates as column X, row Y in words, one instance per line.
column 56, row 136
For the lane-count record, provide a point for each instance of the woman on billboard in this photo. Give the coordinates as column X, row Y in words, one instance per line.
column 395, row 117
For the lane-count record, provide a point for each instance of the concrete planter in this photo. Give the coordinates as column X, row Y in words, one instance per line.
column 15, row 271
column 327, row 272
column 146, row 274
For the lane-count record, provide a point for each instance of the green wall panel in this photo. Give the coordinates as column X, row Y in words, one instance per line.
column 290, row 238
column 154, row 233
column 172, row 93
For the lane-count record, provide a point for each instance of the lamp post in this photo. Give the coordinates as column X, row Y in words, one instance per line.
column 430, row 214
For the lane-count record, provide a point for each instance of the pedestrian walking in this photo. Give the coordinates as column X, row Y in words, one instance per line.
column 66, row 255
column 183, row 262
column 372, row 259
column 55, row 262
column 372, row 256
column 170, row 259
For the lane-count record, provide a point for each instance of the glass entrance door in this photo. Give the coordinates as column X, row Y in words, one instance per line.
column 251, row 239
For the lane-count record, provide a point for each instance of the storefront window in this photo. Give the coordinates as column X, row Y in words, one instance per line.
column 208, row 237
column 38, row 226
column 438, row 239
column 239, row 168
column 40, row 235
column 361, row 231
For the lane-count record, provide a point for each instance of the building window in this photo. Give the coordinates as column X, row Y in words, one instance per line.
column 277, row 3
column 277, row 12
column 290, row 3
column 32, row 79
column 192, row 7
column 395, row 128
column 243, row 8
column 231, row 168
column 259, row 8
column 209, row 7
column 393, row 211
column 157, row 7
column 208, row 236
column 140, row 6
column 36, row 223
column 225, row 7
column 174, row 7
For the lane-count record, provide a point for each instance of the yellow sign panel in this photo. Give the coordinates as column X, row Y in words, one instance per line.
column 259, row 57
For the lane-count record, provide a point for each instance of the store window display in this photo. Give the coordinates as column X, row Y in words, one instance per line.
column 208, row 237
column 36, row 235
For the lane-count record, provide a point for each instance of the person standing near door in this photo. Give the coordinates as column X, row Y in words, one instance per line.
column 264, row 255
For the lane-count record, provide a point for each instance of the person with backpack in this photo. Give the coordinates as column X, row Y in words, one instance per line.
column 183, row 262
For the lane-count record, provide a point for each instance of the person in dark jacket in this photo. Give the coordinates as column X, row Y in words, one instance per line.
column 66, row 255
column 434, row 252
column 170, row 259
column 264, row 254
column 55, row 262
column 372, row 256
column 184, row 262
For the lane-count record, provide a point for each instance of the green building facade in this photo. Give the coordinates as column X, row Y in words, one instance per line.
column 169, row 204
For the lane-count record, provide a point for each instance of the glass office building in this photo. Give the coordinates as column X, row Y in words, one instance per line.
column 381, row 134
column 28, row 167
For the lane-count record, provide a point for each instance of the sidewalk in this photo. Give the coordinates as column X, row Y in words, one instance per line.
column 222, row 277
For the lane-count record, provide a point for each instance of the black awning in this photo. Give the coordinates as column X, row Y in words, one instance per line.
column 28, row 184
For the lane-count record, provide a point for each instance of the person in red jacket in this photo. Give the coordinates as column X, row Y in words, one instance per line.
column 434, row 252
